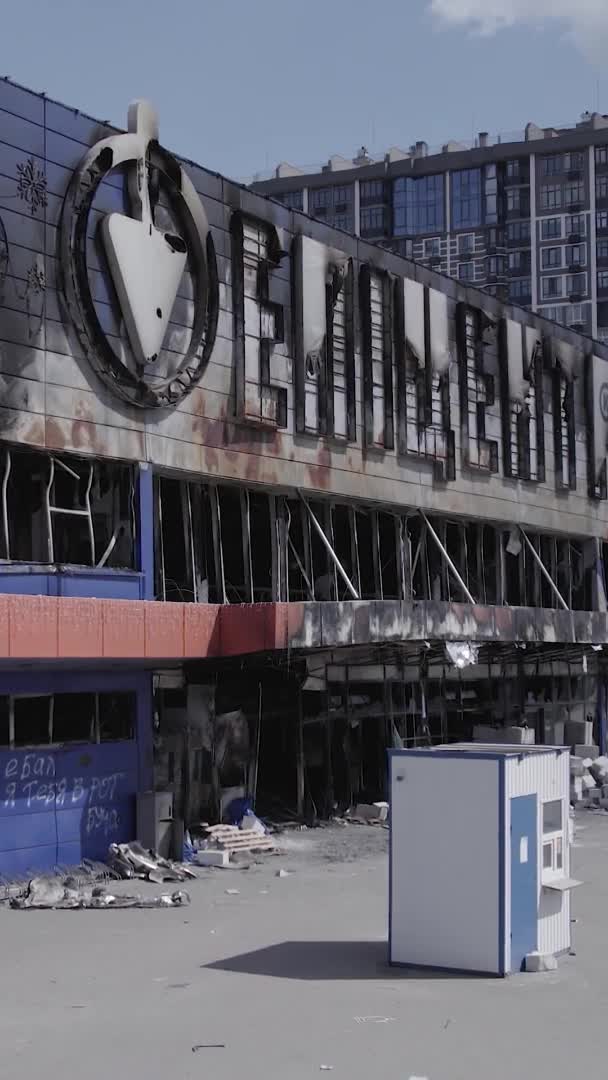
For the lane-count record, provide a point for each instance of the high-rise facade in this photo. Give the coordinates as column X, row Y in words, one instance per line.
column 525, row 220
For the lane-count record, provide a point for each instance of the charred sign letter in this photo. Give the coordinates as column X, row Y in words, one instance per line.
column 520, row 357
column 377, row 356
column 476, row 388
column 258, row 321
column 324, row 340
column 560, row 359
column 596, row 378
column 423, row 378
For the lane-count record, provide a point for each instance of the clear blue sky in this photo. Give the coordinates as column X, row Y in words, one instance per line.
column 243, row 84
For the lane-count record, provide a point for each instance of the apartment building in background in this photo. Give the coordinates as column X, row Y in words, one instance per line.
column 524, row 219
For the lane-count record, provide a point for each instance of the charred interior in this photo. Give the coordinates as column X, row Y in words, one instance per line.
column 228, row 544
column 64, row 510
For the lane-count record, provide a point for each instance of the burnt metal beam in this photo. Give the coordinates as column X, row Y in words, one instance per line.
column 447, row 557
column 543, row 569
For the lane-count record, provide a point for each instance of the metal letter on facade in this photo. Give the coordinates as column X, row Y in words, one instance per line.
column 423, row 376
column 596, row 378
column 476, row 388
column 520, row 362
column 324, row 340
column 377, row 357
column 258, row 321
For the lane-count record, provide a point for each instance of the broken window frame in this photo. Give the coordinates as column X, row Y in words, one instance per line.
column 266, row 406
column 96, row 726
column 476, row 388
column 428, row 430
column 373, row 280
column 89, row 472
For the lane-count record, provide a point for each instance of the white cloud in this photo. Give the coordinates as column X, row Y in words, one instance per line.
column 585, row 21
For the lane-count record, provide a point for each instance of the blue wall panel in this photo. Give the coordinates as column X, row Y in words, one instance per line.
column 61, row 804
column 79, row 798
column 100, row 584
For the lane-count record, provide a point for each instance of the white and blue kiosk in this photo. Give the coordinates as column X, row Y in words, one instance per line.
column 479, row 856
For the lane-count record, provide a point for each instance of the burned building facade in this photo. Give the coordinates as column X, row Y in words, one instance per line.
column 273, row 498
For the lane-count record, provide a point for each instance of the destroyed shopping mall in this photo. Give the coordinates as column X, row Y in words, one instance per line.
column 273, row 500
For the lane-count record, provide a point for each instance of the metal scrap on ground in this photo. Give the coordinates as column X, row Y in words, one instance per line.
column 133, row 861
column 58, row 893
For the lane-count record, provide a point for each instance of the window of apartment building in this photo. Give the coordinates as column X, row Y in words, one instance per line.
column 466, row 198
column 551, row 257
column 574, row 193
column 520, row 289
column 574, row 313
column 320, row 198
column 552, row 165
column 601, row 219
column 513, row 199
column 466, row 244
column 418, row 205
column 371, row 191
column 601, row 155
column 432, row 248
column 601, row 186
column 602, row 279
column 552, row 287
column 343, row 221
column 553, row 313
column 576, row 223
column 495, row 237
column 550, row 196
column 518, row 230
column 495, row 265
column 466, row 271
column 512, row 169
column 602, row 250
column 551, row 228
column 490, row 195
column 293, row 199
column 342, row 194
column 574, row 161
column 372, row 219
column 576, row 255
column 514, row 260
column 576, row 284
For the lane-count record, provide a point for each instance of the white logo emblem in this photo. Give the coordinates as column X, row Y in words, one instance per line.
column 146, row 264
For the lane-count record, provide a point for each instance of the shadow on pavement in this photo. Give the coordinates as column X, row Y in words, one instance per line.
column 318, row 960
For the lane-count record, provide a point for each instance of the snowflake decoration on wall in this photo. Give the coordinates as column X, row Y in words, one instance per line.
column 31, row 185
column 35, row 280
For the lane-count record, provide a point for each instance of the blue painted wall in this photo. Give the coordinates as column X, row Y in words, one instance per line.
column 61, row 804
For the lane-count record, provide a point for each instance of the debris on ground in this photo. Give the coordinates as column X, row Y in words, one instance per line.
column 588, row 778
column 208, row 1046
column 87, row 872
column 232, row 838
column 134, row 861
column 536, row 961
column 55, row 893
column 283, row 873
column 368, row 814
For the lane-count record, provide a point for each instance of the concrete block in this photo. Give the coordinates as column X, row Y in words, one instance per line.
column 605, row 791
column 212, row 857
column 536, row 961
column 594, row 795
column 604, row 803
column 585, row 750
column 577, row 767
column 579, row 731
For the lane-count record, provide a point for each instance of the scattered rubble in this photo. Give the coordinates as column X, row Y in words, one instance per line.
column 588, row 778
column 133, row 861
column 56, row 894
column 368, row 814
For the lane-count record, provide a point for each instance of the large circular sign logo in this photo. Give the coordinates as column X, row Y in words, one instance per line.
column 604, row 401
column 147, row 266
